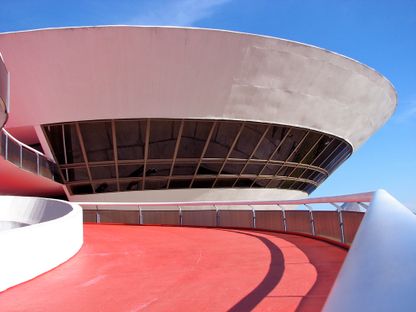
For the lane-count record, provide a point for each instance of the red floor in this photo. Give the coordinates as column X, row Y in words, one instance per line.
column 134, row 268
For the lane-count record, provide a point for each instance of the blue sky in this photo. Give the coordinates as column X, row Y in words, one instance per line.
column 381, row 34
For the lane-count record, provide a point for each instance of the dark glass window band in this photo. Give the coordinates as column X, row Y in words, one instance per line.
column 150, row 154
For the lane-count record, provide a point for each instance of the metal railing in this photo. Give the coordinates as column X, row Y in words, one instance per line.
column 26, row 157
column 320, row 217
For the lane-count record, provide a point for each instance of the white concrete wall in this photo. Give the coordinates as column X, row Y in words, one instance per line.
column 54, row 235
column 136, row 72
column 187, row 195
column 379, row 271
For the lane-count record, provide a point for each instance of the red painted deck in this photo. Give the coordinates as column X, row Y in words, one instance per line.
column 134, row 268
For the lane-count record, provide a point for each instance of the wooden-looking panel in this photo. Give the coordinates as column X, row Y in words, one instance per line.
column 352, row 220
column 89, row 216
column 236, row 218
column 160, row 217
column 269, row 220
column 199, row 217
column 119, row 216
column 327, row 224
column 298, row 221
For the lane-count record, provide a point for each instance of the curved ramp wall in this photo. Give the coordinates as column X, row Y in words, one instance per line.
column 379, row 271
column 52, row 234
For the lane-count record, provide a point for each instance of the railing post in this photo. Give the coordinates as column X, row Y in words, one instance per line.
column 140, row 215
column 217, row 216
column 311, row 219
column 341, row 225
column 180, row 215
column 341, row 221
column 284, row 218
column 6, row 147
column 254, row 216
column 37, row 164
column 98, row 215
column 21, row 156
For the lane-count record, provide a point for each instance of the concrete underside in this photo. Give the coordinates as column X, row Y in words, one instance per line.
column 132, row 268
column 191, row 195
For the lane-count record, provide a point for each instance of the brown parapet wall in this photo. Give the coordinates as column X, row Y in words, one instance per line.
column 326, row 224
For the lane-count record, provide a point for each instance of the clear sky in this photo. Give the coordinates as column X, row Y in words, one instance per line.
column 379, row 33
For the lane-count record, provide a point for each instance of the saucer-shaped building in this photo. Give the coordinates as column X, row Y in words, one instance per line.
column 191, row 128
column 180, row 114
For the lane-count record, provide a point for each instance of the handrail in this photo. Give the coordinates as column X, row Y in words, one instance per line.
column 21, row 161
column 334, row 224
column 353, row 198
column 23, row 144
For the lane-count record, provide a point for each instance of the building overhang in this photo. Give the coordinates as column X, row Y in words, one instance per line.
column 86, row 73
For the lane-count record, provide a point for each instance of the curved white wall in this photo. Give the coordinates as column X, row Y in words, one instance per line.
column 379, row 271
column 134, row 72
column 54, row 234
column 186, row 195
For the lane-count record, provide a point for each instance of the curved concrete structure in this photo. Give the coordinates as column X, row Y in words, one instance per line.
column 41, row 234
column 379, row 272
column 4, row 92
column 131, row 72
column 254, row 86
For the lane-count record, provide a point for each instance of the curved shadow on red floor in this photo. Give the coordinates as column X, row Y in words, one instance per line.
column 269, row 282
column 327, row 271
column 315, row 250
